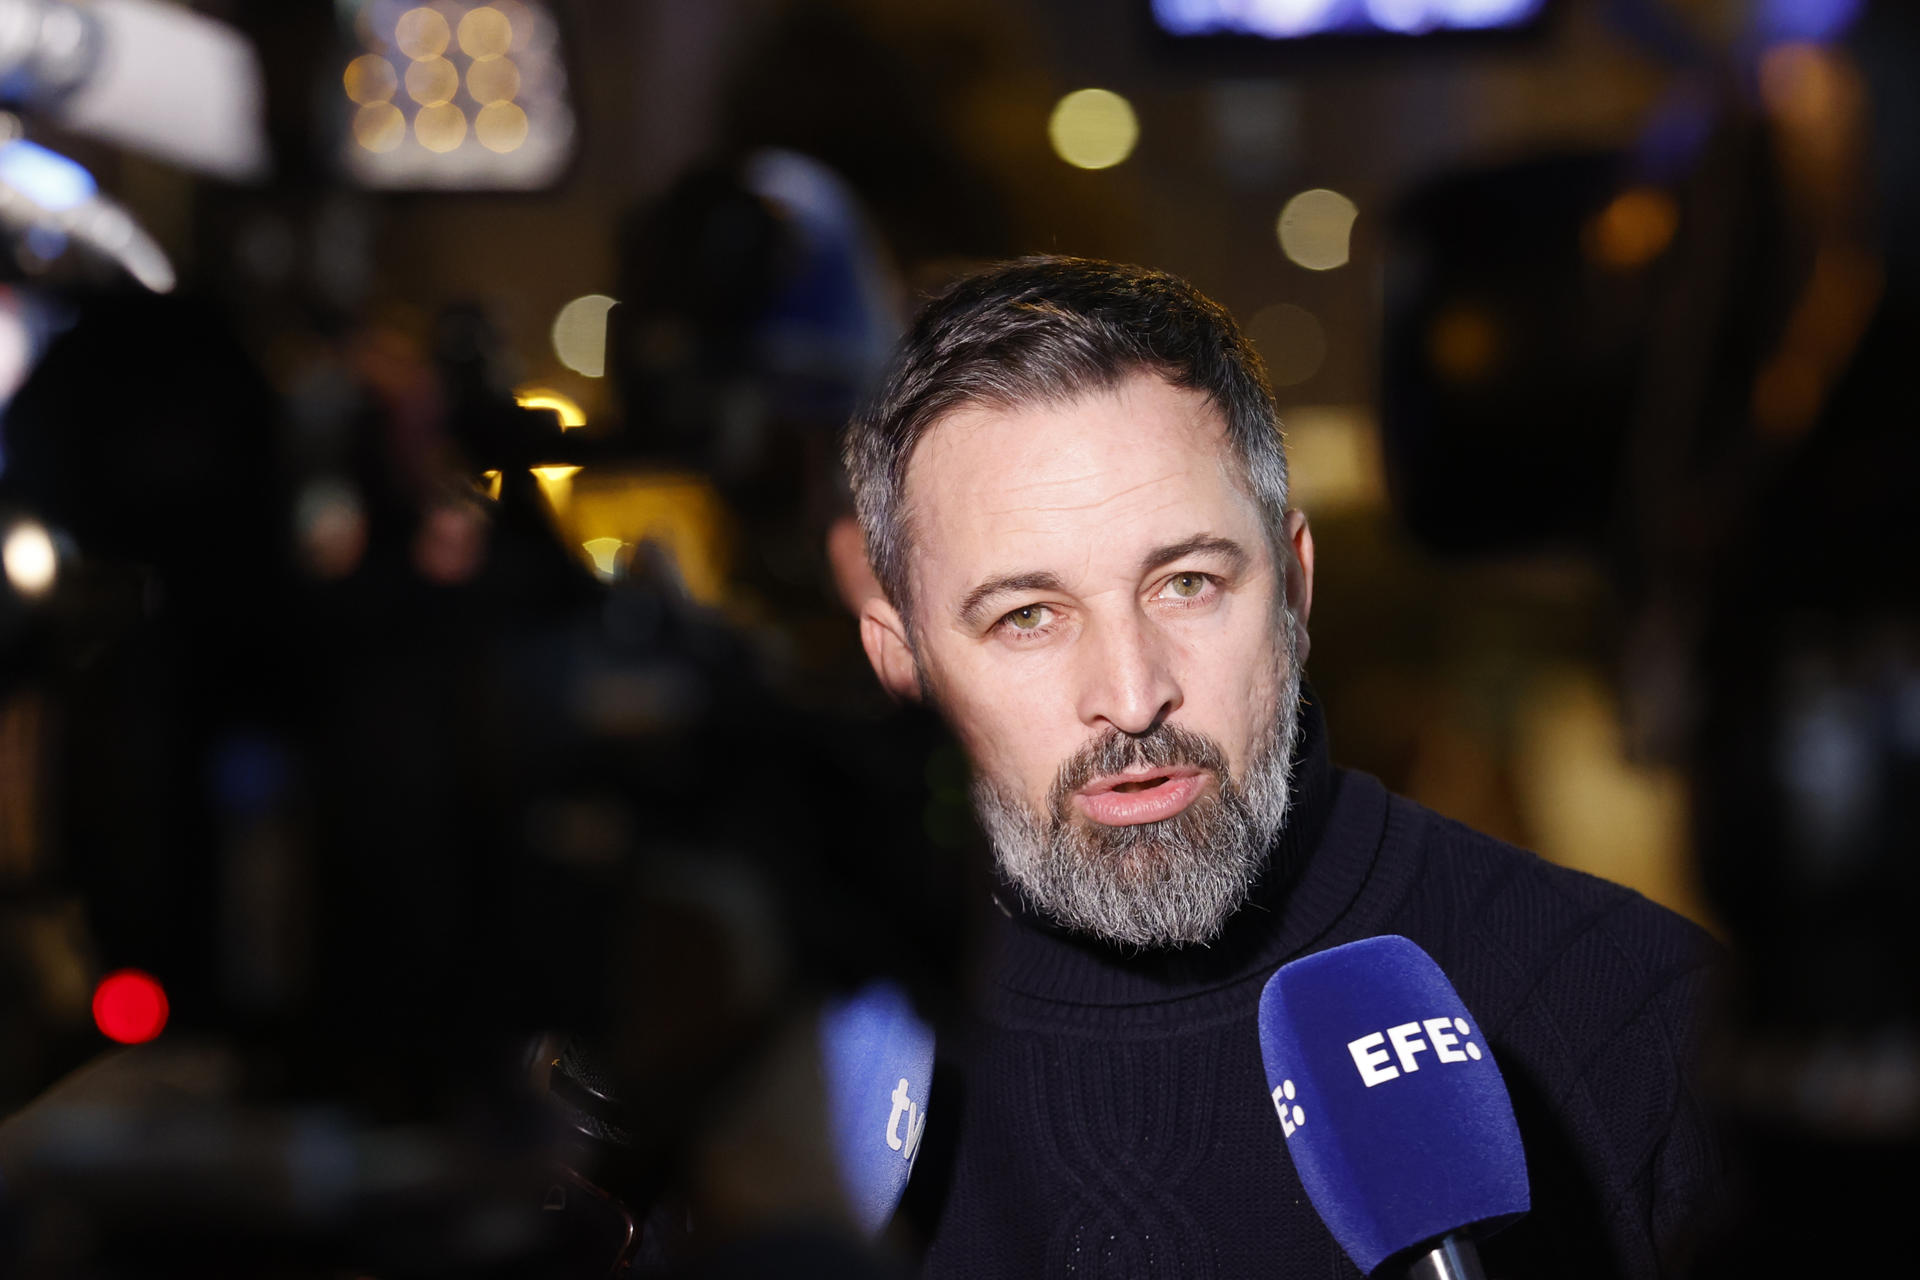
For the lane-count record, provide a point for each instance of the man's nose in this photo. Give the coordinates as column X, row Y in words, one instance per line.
column 1128, row 681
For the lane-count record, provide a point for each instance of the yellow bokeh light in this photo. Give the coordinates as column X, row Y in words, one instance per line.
column 30, row 559
column 485, row 33
column 432, row 81
column 680, row 514
column 421, row 33
column 580, row 334
column 494, row 80
column 500, row 126
column 1633, row 229
column 1463, row 344
column 379, row 127
column 370, row 79
column 440, row 128
column 606, row 555
column 1093, row 129
column 571, row 415
column 490, row 484
column 557, row 484
column 1316, row 227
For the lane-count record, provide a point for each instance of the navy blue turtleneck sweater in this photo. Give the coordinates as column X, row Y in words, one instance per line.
column 1109, row 1115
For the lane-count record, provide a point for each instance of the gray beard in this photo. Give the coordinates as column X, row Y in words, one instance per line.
column 1156, row 884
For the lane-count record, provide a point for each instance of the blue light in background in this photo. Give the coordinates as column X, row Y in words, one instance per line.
column 1293, row 19
column 46, row 177
column 1816, row 20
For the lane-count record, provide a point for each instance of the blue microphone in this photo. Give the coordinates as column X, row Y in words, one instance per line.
column 1393, row 1109
column 878, row 1061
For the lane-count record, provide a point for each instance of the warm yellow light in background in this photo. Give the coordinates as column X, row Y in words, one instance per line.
column 495, row 80
column 30, row 559
column 613, row 510
column 1463, row 343
column 580, row 334
column 432, row 81
column 1634, row 229
column 421, row 33
column 490, row 484
column 1093, row 129
column 570, row 413
column 369, row 79
column 379, row 127
column 440, row 128
column 1333, row 458
column 500, row 126
column 1290, row 341
column 1587, row 805
column 1315, row 229
column 485, row 33
column 557, row 484
column 605, row 553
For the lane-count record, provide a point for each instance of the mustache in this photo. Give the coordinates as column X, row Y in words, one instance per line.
column 1165, row 746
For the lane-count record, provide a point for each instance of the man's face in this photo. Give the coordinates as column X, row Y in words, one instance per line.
column 1099, row 614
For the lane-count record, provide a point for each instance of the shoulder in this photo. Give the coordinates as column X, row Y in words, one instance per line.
column 1593, row 998
column 1510, row 916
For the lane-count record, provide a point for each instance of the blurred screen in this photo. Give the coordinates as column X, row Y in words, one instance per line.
column 454, row 95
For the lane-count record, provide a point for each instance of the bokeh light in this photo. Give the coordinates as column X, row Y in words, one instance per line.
column 432, row 81
column 1634, row 228
column 1093, row 129
column 495, row 80
column 500, row 126
column 485, row 33
column 580, row 334
column 130, row 1007
column 30, row 560
column 422, row 33
column 440, row 128
column 557, row 484
column 370, row 79
column 379, row 127
column 1463, row 343
column 1291, row 342
column 1315, row 229
column 605, row 553
column 571, row 415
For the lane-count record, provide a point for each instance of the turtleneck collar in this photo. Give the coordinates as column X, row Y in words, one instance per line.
column 1315, row 872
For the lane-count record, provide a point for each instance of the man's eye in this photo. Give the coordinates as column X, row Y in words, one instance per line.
column 1187, row 585
column 1027, row 618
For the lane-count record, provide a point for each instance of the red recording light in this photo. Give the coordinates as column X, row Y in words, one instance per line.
column 130, row 1006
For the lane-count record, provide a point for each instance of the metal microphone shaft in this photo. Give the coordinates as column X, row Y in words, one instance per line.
column 1454, row 1258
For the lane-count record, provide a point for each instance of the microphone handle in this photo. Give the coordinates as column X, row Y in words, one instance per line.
column 1453, row 1257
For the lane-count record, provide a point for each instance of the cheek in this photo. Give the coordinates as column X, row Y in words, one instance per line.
column 1012, row 733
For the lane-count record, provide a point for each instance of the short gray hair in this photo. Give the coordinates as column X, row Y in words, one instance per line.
column 1046, row 330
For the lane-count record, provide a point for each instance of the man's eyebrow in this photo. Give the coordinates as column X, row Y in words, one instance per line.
column 975, row 604
column 1200, row 544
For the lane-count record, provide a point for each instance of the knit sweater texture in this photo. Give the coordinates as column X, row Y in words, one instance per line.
column 1109, row 1114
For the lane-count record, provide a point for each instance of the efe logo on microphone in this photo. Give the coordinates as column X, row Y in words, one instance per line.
column 1371, row 1056
column 1291, row 1116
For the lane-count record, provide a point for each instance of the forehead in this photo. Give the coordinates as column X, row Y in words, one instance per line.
column 1077, row 488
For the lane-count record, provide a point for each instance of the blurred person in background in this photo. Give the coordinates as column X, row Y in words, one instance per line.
column 1075, row 500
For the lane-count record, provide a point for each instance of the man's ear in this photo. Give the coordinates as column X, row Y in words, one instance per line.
column 884, row 637
column 1300, row 574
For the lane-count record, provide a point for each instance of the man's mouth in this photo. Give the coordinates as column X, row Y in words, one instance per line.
column 1140, row 795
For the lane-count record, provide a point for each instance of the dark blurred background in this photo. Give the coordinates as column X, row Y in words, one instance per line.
column 1585, row 320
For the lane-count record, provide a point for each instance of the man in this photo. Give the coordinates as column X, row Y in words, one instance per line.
column 1074, row 497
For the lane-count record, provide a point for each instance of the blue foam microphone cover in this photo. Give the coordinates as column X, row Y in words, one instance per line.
column 1389, row 1099
column 877, row 1057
